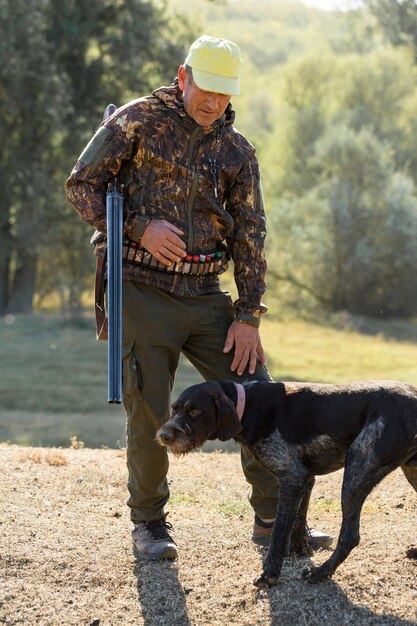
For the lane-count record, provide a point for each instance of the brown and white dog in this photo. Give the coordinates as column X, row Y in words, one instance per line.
column 297, row 431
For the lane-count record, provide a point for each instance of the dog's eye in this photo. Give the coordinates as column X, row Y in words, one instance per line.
column 194, row 413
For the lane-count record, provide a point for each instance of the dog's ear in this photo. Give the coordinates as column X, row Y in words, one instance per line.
column 227, row 419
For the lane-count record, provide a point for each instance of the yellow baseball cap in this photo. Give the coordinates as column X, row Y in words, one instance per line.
column 216, row 65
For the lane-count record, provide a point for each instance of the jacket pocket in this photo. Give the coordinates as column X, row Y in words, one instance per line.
column 135, row 190
column 259, row 195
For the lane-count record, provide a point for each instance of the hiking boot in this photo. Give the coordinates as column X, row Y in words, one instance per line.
column 262, row 532
column 152, row 541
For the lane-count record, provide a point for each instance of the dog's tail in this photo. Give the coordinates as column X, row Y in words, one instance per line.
column 412, row 461
column 410, row 471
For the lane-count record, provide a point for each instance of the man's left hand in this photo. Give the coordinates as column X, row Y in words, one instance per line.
column 248, row 347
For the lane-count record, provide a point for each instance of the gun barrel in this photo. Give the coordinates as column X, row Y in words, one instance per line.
column 114, row 208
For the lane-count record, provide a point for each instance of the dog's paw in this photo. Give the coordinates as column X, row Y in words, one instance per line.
column 313, row 575
column 263, row 582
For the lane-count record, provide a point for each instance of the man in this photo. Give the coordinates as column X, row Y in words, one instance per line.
column 191, row 182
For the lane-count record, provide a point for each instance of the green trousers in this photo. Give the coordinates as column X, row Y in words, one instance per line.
column 157, row 328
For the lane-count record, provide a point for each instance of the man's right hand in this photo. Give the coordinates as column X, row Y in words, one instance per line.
column 163, row 240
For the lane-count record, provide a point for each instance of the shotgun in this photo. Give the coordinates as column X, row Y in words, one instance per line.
column 114, row 213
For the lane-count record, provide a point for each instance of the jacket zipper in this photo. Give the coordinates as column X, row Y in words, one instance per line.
column 196, row 178
column 194, row 186
column 191, row 147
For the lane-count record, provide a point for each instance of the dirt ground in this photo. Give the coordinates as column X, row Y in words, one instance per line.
column 66, row 553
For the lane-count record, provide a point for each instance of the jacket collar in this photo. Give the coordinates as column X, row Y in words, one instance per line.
column 172, row 98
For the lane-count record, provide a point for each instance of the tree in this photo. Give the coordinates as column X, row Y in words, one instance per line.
column 61, row 63
column 29, row 98
column 351, row 239
column 398, row 19
column 343, row 224
column 108, row 52
column 306, row 90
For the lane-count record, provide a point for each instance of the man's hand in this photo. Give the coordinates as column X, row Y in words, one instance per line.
column 248, row 347
column 163, row 240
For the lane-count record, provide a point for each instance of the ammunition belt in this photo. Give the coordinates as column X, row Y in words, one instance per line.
column 193, row 264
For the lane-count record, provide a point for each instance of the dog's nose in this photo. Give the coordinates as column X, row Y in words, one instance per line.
column 167, row 434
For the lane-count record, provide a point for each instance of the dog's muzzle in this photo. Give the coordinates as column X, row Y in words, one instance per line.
column 168, row 434
column 176, row 438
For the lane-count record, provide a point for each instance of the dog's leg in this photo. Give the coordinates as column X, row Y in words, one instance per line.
column 410, row 472
column 362, row 474
column 299, row 545
column 292, row 489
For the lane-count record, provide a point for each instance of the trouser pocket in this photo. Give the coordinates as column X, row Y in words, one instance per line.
column 131, row 378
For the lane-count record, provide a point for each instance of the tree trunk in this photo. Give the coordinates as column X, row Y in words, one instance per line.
column 5, row 247
column 23, row 286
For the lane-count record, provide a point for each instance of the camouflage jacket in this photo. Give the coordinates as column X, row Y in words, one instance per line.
column 170, row 166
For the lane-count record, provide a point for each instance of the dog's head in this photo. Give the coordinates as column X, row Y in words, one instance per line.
column 201, row 412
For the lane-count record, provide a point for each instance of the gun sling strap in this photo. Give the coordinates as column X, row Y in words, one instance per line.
column 99, row 298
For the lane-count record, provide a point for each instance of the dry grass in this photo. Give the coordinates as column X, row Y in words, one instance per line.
column 66, row 555
column 51, row 456
column 76, row 444
column 55, row 457
column 31, row 454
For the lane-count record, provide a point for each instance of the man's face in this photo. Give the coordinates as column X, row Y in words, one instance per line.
column 205, row 107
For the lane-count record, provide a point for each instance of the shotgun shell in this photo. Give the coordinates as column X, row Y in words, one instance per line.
column 187, row 264
column 178, row 267
column 138, row 254
column 217, row 260
column 211, row 266
column 153, row 261
column 131, row 252
column 194, row 264
column 202, row 263
column 146, row 257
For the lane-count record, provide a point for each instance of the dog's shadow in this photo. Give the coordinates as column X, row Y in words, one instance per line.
column 295, row 601
column 160, row 593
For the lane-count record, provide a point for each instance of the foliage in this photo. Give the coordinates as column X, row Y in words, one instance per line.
column 344, row 221
column 108, row 52
column 328, row 99
column 30, row 100
column 398, row 18
column 358, row 225
column 61, row 63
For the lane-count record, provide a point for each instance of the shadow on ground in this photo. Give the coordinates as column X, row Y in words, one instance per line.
column 161, row 597
column 293, row 602
column 321, row 605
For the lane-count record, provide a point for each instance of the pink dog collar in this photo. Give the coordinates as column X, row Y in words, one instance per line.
column 240, row 402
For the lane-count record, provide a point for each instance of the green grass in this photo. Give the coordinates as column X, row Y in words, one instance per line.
column 306, row 351
column 53, row 373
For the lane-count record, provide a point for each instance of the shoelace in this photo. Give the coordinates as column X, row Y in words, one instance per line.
column 309, row 533
column 158, row 528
